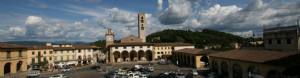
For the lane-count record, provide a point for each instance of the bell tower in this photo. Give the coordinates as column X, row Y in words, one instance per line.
column 109, row 35
column 142, row 26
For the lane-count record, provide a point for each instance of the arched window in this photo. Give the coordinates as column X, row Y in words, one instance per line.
column 224, row 70
column 237, row 71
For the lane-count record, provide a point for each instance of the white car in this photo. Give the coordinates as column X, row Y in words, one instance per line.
column 66, row 69
column 133, row 75
column 194, row 72
column 33, row 73
column 59, row 76
column 143, row 76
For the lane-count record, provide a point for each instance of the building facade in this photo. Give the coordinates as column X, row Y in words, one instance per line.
column 124, row 52
column 254, row 64
column 40, row 54
column 282, row 38
column 191, row 57
column 12, row 59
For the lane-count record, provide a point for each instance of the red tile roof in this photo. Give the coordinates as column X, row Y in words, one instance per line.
column 6, row 45
column 193, row 51
column 258, row 56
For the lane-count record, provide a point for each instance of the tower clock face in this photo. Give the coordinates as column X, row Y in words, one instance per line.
column 109, row 38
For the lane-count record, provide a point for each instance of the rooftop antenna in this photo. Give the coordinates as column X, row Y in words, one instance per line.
column 298, row 22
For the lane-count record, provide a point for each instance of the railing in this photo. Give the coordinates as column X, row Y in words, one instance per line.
column 12, row 58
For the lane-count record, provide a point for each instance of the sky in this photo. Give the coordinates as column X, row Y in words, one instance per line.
column 88, row 20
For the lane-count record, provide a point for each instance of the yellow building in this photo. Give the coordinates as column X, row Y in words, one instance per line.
column 12, row 59
column 254, row 64
column 40, row 54
column 190, row 57
column 163, row 50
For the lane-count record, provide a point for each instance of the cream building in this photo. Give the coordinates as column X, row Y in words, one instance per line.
column 282, row 38
column 164, row 50
column 12, row 59
column 132, row 48
column 40, row 54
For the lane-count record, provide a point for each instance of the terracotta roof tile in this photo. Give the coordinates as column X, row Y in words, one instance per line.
column 193, row 51
column 6, row 45
column 259, row 56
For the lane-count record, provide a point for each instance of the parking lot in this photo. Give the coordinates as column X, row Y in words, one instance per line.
column 92, row 72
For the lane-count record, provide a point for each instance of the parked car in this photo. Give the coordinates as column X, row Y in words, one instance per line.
column 151, row 69
column 194, row 72
column 143, row 76
column 180, row 75
column 33, row 73
column 133, row 75
column 66, row 69
column 59, row 76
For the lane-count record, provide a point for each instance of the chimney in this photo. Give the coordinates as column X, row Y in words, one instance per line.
column 48, row 44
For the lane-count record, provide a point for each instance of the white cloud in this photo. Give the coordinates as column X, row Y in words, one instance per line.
column 159, row 4
column 33, row 20
column 177, row 12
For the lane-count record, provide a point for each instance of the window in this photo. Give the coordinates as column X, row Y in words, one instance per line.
column 141, row 46
column 32, row 53
column 158, row 52
column 116, row 47
column 142, row 28
column 289, row 41
column 132, row 47
column 124, row 47
column 32, row 60
column 79, row 51
column 8, row 54
column 20, row 53
column 148, row 46
column 45, row 59
column 270, row 41
column 61, row 58
column 45, row 52
column 278, row 41
column 51, row 52
column 50, row 58
column 142, row 21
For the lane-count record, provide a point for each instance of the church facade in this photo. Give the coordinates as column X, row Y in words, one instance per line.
column 134, row 49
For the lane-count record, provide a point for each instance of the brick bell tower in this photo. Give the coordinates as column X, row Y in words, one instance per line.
column 109, row 37
column 142, row 26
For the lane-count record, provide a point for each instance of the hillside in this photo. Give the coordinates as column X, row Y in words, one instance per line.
column 205, row 38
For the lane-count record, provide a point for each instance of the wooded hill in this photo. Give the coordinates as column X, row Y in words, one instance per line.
column 206, row 37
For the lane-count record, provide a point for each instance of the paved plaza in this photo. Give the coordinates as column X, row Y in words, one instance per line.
column 90, row 72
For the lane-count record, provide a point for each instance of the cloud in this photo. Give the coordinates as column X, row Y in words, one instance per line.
column 177, row 12
column 33, row 20
column 159, row 4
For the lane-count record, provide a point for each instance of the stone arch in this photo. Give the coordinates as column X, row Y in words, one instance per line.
column 224, row 70
column 19, row 65
column 149, row 55
column 117, row 55
column 253, row 71
column 125, row 56
column 141, row 54
column 79, row 59
column 205, row 60
column 237, row 71
column 274, row 74
column 215, row 67
column 133, row 55
column 7, row 68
